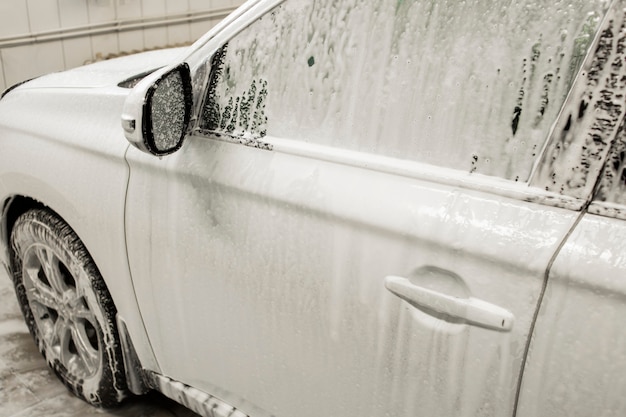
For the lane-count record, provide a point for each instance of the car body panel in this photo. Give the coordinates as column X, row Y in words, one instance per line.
column 277, row 323
column 67, row 152
column 259, row 273
column 577, row 359
column 280, row 324
column 107, row 73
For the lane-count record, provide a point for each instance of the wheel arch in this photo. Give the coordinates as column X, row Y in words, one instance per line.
column 12, row 208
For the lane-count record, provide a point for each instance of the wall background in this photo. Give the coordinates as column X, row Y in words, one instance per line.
column 41, row 36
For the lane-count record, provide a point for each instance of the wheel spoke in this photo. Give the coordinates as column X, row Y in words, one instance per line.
column 44, row 258
column 45, row 298
column 39, row 292
column 78, row 307
column 50, row 264
column 61, row 339
column 80, row 312
column 85, row 351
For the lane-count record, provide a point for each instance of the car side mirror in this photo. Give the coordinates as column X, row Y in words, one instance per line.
column 158, row 109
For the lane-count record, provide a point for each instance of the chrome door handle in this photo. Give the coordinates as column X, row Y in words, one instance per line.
column 470, row 310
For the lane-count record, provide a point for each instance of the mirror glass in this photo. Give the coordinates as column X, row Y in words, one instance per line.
column 167, row 112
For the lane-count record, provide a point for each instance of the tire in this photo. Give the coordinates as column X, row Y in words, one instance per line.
column 67, row 307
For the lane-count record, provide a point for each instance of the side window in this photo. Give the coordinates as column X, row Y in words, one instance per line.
column 612, row 186
column 470, row 85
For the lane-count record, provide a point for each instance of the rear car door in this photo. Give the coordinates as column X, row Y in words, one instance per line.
column 577, row 361
column 576, row 364
column 348, row 231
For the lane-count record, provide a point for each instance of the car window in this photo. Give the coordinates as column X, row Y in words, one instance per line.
column 612, row 183
column 472, row 85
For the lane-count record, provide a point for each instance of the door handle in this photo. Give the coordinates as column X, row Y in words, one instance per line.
column 470, row 310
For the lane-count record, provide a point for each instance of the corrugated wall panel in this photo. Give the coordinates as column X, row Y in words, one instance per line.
column 40, row 36
column 13, row 18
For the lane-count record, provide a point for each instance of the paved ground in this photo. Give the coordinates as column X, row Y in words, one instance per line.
column 29, row 389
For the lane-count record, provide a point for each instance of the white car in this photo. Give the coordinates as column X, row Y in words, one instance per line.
column 336, row 208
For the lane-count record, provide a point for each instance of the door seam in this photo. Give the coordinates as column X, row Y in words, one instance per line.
column 544, row 286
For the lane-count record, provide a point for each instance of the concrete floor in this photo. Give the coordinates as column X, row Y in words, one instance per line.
column 29, row 389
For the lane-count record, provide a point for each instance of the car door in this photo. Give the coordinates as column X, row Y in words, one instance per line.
column 577, row 361
column 346, row 231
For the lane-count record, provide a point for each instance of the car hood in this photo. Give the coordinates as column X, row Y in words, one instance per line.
column 109, row 72
column 79, row 109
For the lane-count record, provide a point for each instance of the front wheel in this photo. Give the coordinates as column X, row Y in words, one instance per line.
column 67, row 307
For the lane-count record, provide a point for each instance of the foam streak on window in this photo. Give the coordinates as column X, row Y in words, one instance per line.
column 473, row 85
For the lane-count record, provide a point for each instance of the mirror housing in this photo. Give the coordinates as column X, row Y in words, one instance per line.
column 157, row 111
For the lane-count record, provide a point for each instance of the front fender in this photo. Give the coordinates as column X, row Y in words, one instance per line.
column 64, row 148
